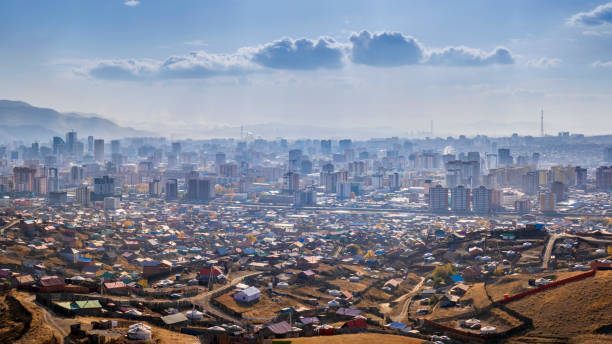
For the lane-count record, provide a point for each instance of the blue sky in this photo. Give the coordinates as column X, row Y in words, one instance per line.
column 471, row 66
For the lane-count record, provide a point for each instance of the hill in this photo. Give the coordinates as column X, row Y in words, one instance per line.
column 569, row 313
column 22, row 121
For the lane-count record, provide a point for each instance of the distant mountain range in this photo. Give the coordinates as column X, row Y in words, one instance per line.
column 20, row 121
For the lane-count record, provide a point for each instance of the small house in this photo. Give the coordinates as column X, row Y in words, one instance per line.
column 248, row 295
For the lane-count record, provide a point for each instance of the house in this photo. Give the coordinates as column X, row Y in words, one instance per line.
column 358, row 322
column 449, row 300
column 278, row 330
column 116, row 288
column 459, row 289
column 392, row 284
column 349, row 312
column 427, row 293
column 24, row 280
column 70, row 254
column 51, row 284
column 308, row 262
column 249, row 294
column 175, row 319
column 306, row 275
column 212, row 272
column 152, row 268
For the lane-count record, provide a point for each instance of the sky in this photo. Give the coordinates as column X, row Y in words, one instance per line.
column 471, row 67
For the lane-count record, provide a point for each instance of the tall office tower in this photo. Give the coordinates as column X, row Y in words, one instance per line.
column 172, row 159
column 103, row 187
column 99, row 150
column 35, row 149
column 438, row 198
column 155, row 188
column 557, row 188
column 460, row 199
column 535, row 159
column 115, row 147
column 358, row 168
column 176, row 148
column 607, row 155
column 329, row 181
column 53, row 180
column 328, row 168
column 90, row 144
column 306, row 166
column 23, row 179
column 219, row 159
column 344, row 145
column 71, row 140
column 76, row 175
column 305, row 198
column 453, row 177
column 481, row 200
column 171, row 189
column 228, row 170
column 326, row 147
column 581, row 178
column 504, row 157
column 83, row 196
column 295, row 159
column 530, row 182
column 343, row 190
column 394, row 181
column 603, row 178
column 200, row 189
column 491, row 161
column 291, row 182
column 408, row 146
column 58, row 145
column 547, row 202
column 473, row 156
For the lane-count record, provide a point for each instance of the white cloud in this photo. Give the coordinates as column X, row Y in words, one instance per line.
column 131, row 3
column 543, row 63
column 602, row 64
column 465, row 56
column 600, row 15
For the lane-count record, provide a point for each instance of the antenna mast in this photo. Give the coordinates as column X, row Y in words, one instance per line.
column 542, row 123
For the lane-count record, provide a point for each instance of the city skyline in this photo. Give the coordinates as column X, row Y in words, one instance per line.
column 472, row 68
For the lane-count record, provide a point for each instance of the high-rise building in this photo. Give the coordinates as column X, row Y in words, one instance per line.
column 90, row 144
column 460, row 199
column 83, row 196
column 71, row 140
column 115, row 147
column 522, row 205
column 295, row 160
column 504, row 157
column 305, row 198
column 103, row 187
column 607, row 154
column 228, row 170
column 200, row 189
column 155, row 188
column 581, row 178
column 52, row 179
column 171, row 189
column 58, row 145
column 291, row 182
column 99, row 150
column 176, row 148
column 326, row 147
column 530, row 182
column 547, row 202
column 23, row 179
column 438, row 198
column 344, row 145
column 603, row 178
column 557, row 188
column 481, row 201
column 76, row 175
column 395, row 181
